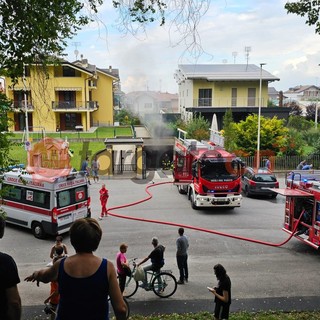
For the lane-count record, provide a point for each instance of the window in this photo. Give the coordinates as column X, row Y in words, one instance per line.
column 148, row 105
column 64, row 198
column 205, row 98
column 27, row 196
column 12, row 193
column 68, row 72
column 72, row 196
column 234, row 94
column 251, row 97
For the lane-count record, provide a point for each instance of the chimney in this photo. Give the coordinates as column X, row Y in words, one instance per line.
column 110, row 69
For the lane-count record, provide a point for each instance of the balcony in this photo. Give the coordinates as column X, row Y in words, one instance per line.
column 74, row 106
column 20, row 106
column 230, row 102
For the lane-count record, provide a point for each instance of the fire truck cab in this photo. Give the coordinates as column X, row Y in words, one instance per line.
column 208, row 174
column 302, row 194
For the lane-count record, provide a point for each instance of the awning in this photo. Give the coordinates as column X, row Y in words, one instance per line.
column 15, row 88
column 68, row 89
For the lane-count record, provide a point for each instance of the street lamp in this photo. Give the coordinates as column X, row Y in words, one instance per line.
column 259, row 116
column 316, row 116
column 25, row 103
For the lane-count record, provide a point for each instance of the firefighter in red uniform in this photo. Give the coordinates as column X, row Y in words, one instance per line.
column 104, row 195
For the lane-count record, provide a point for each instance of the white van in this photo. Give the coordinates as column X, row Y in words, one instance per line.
column 47, row 206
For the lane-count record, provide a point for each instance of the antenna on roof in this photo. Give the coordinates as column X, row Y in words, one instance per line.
column 76, row 52
column 247, row 51
column 234, row 54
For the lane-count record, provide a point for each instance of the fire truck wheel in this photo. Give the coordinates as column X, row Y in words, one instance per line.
column 181, row 190
column 38, row 230
column 193, row 205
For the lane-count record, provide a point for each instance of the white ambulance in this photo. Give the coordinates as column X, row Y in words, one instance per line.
column 46, row 205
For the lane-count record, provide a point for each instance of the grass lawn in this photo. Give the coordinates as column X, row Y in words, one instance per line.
column 80, row 149
column 236, row 316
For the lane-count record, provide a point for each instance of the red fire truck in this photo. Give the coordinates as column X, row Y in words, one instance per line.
column 302, row 206
column 207, row 173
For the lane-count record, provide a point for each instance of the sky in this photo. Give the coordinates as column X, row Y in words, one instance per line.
column 289, row 47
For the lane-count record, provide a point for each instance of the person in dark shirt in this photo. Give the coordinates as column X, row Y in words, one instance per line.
column 182, row 256
column 10, row 302
column 222, row 293
column 157, row 260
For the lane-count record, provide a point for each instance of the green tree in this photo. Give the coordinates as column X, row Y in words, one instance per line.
column 299, row 123
column 198, row 128
column 126, row 117
column 293, row 143
column 33, row 30
column 5, row 143
column 272, row 134
column 308, row 8
column 311, row 112
column 229, row 131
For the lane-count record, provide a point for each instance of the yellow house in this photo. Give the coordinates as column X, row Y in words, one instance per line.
column 68, row 96
column 204, row 87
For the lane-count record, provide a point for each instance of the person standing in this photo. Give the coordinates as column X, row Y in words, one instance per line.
column 95, row 166
column 104, row 196
column 182, row 256
column 222, row 293
column 85, row 169
column 85, row 280
column 268, row 163
column 123, row 268
column 10, row 301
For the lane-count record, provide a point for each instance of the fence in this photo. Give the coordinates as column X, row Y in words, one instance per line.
column 285, row 163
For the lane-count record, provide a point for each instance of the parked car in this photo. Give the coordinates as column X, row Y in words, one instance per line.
column 258, row 182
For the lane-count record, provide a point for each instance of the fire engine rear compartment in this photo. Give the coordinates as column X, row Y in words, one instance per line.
column 297, row 203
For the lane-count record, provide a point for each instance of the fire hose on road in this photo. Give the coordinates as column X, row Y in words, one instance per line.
column 224, row 234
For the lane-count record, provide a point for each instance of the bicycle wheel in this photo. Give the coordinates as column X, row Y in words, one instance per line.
column 128, row 307
column 131, row 287
column 164, row 285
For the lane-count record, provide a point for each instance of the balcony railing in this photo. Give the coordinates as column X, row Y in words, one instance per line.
column 20, row 104
column 229, row 102
column 75, row 105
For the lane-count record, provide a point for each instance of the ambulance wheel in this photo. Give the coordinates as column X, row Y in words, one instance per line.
column 38, row 230
column 193, row 205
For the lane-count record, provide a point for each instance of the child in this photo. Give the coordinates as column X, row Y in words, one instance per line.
column 53, row 299
column 58, row 244
column 123, row 268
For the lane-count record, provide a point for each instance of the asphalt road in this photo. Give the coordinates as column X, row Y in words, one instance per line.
column 263, row 276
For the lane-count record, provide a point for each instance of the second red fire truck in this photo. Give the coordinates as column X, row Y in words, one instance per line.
column 302, row 206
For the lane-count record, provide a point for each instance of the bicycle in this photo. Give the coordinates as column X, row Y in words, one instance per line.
column 163, row 283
